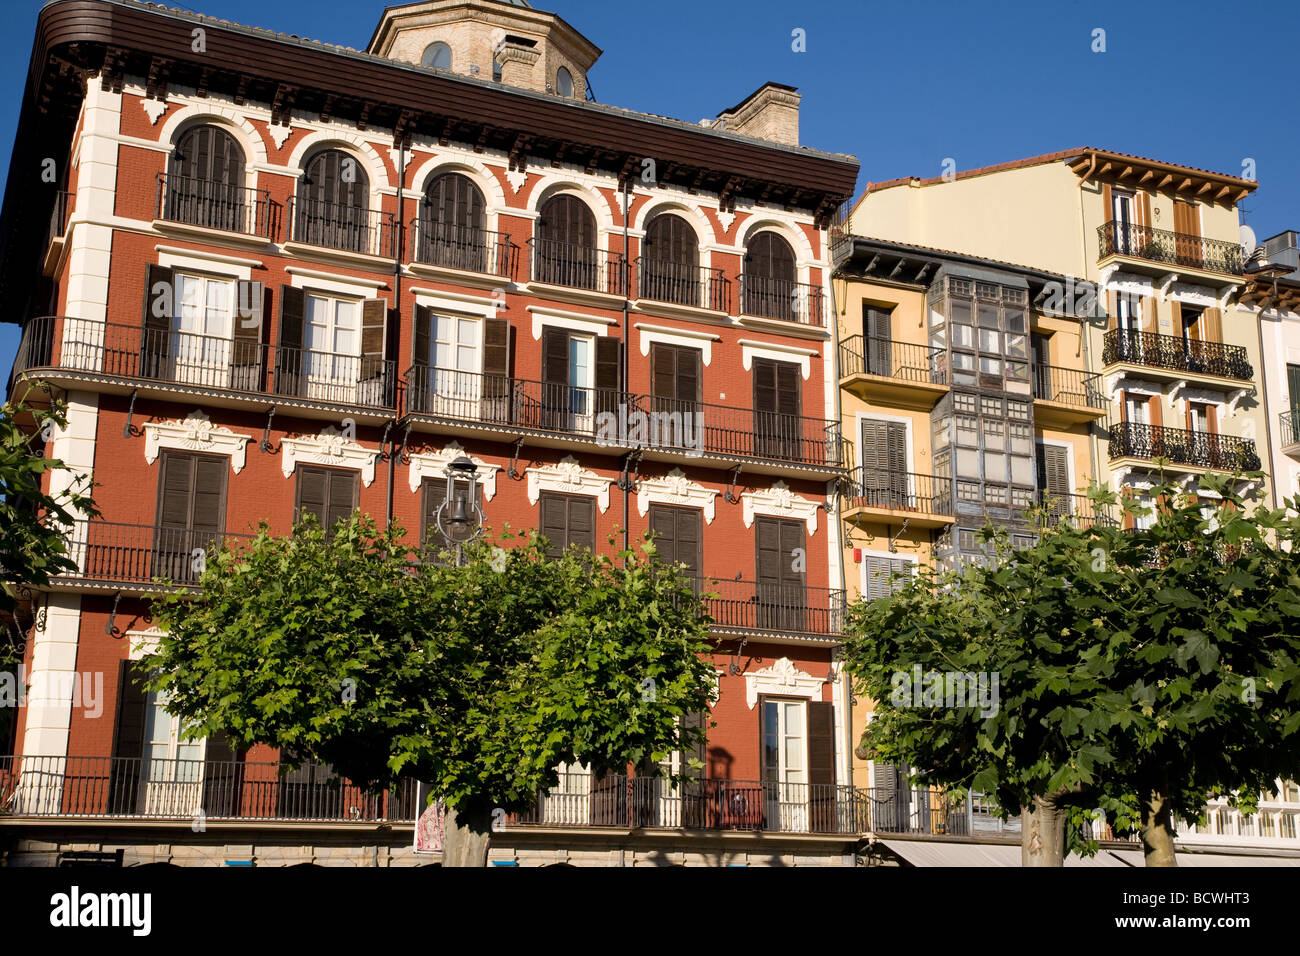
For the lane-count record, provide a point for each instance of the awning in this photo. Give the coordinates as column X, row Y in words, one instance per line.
column 946, row 853
column 1134, row 858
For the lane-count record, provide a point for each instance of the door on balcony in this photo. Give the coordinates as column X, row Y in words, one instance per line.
column 769, row 280
column 885, row 478
column 1128, row 324
column 332, row 204
column 878, row 354
column 1293, row 393
column 451, row 229
column 331, row 494
column 565, row 248
column 1041, row 356
column 1054, row 479
column 191, row 516
column 678, row 539
column 331, row 348
column 785, row 764
column 1187, row 234
column 201, row 334
column 778, row 406
column 1202, row 422
column 675, row 385
column 781, row 595
column 670, row 266
column 580, row 379
column 205, row 181
column 453, row 349
column 1121, row 209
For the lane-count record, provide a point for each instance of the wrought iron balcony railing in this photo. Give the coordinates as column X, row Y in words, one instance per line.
column 898, row 491
column 788, row 608
column 1068, row 386
column 699, row 427
column 577, row 266
column 204, row 361
column 1080, row 510
column 901, row 361
column 1287, row 427
column 1174, row 248
column 112, row 552
column 662, row 280
column 768, row 298
column 1183, row 447
column 461, row 247
column 213, row 205
column 371, row 232
column 1154, row 350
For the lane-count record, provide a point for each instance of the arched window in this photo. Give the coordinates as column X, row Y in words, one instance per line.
column 205, row 181
column 564, row 251
column 670, row 262
column 451, row 231
column 331, row 205
column 437, row 55
column 564, row 82
column 769, row 278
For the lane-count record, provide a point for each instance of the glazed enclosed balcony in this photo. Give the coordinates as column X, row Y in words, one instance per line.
column 1182, row 447
column 889, row 372
column 134, row 557
column 206, row 204
column 1143, row 244
column 579, row 266
column 458, row 248
column 871, row 495
column 492, row 405
column 1171, row 357
column 783, row 300
column 1066, row 396
column 342, row 228
column 225, row 371
column 672, row 283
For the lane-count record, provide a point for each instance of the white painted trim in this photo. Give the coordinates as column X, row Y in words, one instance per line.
column 442, row 295
column 779, row 502
column 202, row 266
column 334, row 285
column 675, row 489
column 434, row 465
column 750, row 350
column 590, row 324
column 327, row 448
column 570, row 478
column 204, row 254
column 782, row 679
column 1069, row 459
column 333, row 276
column 195, row 433
column 429, row 165
column 667, row 336
column 140, row 644
column 884, row 556
column 347, row 141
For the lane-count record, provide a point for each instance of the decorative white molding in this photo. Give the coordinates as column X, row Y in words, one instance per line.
column 434, row 465
column 155, row 109
column 195, row 433
column 516, row 178
column 210, row 256
column 689, row 338
column 590, row 324
column 330, row 276
column 279, row 134
column 782, row 679
column 749, row 350
column 328, row 448
column 401, row 159
column 726, row 218
column 675, row 489
column 570, row 478
column 779, row 502
column 140, row 644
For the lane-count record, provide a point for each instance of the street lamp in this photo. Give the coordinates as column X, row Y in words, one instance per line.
column 459, row 517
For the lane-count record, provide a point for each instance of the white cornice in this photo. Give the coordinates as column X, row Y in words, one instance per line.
column 335, row 277
column 434, row 465
column 570, row 478
column 195, row 433
column 779, row 502
column 782, row 679
column 674, row 489
column 213, row 256
column 327, row 448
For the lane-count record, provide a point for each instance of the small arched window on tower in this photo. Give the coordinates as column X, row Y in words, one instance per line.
column 437, row 55
column 564, row 82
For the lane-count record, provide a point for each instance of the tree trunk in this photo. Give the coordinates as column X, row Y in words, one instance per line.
column 466, row 834
column 1042, row 833
column 1157, row 831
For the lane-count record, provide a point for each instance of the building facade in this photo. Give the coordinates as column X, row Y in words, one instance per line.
column 284, row 277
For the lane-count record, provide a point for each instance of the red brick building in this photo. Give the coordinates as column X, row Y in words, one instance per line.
column 271, row 275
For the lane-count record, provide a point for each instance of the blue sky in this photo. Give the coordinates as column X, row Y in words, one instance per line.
column 904, row 86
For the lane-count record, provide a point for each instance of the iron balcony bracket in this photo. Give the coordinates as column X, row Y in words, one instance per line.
column 403, row 456
column 730, row 493
column 111, row 627
column 512, row 470
column 631, row 463
column 130, row 412
column 264, row 445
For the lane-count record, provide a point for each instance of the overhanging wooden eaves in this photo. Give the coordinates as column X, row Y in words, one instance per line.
column 1152, row 175
column 1266, row 292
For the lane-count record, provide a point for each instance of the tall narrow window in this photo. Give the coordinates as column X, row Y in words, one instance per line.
column 677, row 536
column 191, row 513
column 675, row 378
column 205, row 181
column 770, row 289
column 200, row 343
column 332, row 204
column 331, row 343
column 564, row 82
column 782, row 591
column 670, row 269
column 580, row 379
column 451, row 230
column 1054, row 478
column 437, row 55
column 877, row 328
column 885, row 480
column 777, row 410
column 328, row 493
column 1122, row 216
column 564, row 250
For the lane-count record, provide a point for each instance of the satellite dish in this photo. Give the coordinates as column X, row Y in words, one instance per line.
column 1247, row 239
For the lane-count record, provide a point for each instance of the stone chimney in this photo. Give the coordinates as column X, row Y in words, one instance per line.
column 771, row 112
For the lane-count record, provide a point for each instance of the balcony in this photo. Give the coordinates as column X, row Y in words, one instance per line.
column 205, row 204
column 1287, row 432
column 1080, row 510
column 139, row 557
column 697, row 287
column 751, row 607
column 1277, row 824
column 888, row 372
column 1145, row 244
column 1189, row 449
column 783, row 300
column 64, row 202
column 62, row 349
column 575, row 266
column 923, row 501
column 1171, row 357
column 353, row 230
column 620, row 420
column 462, row 249
column 1066, row 396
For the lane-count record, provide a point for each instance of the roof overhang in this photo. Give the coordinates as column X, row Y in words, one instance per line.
column 1263, row 291
column 1181, row 181
column 868, row 259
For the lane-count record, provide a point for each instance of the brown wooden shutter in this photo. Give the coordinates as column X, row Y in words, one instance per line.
column 1054, row 472
column 246, row 350
column 677, row 536
column 374, row 335
column 342, row 501
column 609, row 375
column 663, row 372
column 554, row 523
column 1107, row 200
column 208, row 512
column 1150, row 319
column 781, row 592
column 568, row 520
column 128, row 739
column 496, row 348
column 288, row 366
column 1145, row 206
column 312, row 489
column 222, row 776
column 582, row 522
column 422, row 340
column 1213, row 319
column 328, row 493
column 821, row 764
column 1112, row 311
column 555, row 357
column 1157, row 416
column 159, row 307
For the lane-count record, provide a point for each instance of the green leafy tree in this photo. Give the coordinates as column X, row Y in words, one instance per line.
column 1140, row 673
column 479, row 678
column 34, row 524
